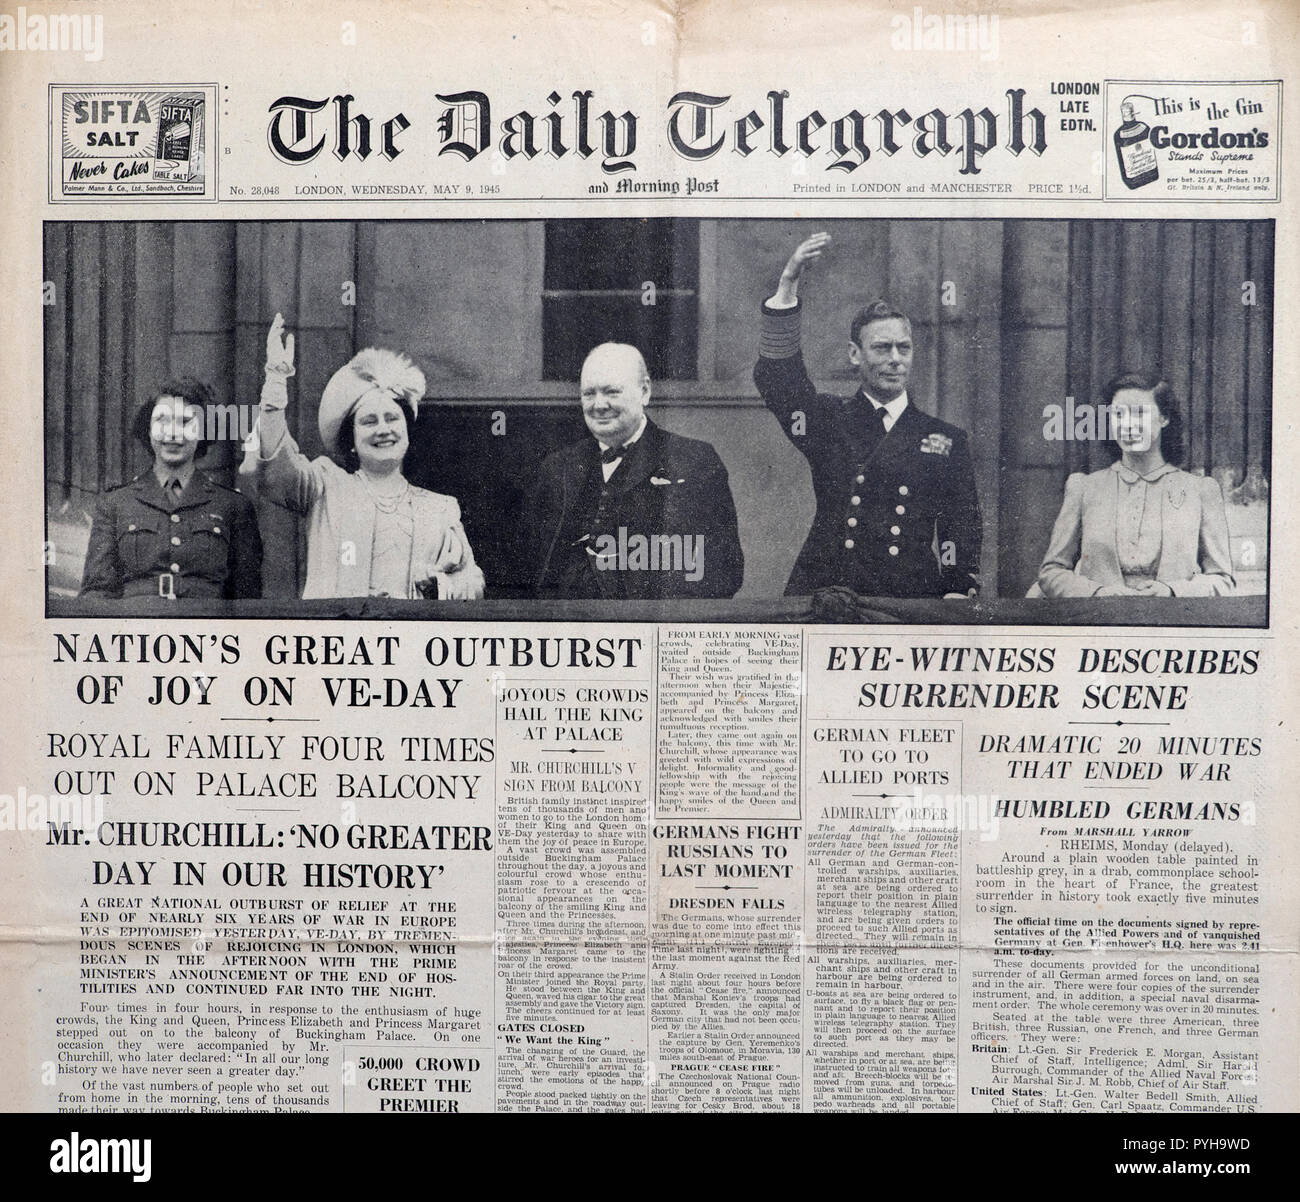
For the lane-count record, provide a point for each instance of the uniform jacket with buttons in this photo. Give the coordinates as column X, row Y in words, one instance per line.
column 144, row 542
column 901, row 519
column 666, row 484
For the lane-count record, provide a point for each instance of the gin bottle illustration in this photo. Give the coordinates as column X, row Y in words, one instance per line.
column 1137, row 157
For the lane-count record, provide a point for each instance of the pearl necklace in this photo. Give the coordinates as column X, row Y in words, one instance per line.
column 386, row 503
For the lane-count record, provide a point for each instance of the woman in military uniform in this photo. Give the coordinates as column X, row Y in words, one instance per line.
column 172, row 531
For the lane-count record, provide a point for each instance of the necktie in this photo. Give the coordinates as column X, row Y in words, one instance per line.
column 612, row 454
column 869, row 426
column 176, row 488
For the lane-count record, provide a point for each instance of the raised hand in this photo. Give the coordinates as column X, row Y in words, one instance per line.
column 279, row 348
column 807, row 250
column 787, row 291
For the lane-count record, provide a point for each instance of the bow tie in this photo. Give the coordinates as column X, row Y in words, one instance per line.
column 613, row 454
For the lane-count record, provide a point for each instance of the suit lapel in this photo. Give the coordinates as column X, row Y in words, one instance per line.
column 904, row 436
column 585, row 462
column 577, row 464
column 856, row 446
column 581, row 462
column 149, row 492
column 639, row 463
column 637, row 512
column 195, row 493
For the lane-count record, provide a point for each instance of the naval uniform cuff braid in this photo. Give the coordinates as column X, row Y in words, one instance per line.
column 779, row 336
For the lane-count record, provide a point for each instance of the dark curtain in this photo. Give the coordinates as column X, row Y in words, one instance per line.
column 1191, row 301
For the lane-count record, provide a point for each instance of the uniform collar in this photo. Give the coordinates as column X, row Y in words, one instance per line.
column 894, row 408
column 1131, row 477
column 165, row 476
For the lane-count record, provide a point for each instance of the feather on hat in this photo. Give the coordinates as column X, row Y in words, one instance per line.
column 372, row 370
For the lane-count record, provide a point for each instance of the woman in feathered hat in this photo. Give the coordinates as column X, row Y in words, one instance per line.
column 370, row 531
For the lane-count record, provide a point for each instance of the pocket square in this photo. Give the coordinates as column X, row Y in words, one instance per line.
column 936, row 444
column 660, row 481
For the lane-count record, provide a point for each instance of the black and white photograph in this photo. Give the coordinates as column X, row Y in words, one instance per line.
column 1015, row 421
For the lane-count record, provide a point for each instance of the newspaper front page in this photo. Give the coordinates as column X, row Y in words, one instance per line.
column 659, row 557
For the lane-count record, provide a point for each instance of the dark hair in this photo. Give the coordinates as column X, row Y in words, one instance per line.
column 188, row 389
column 1172, row 442
column 347, row 437
column 878, row 310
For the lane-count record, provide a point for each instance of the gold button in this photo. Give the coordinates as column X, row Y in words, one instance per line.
column 216, row 529
column 860, row 480
column 848, row 544
column 855, row 500
column 176, row 542
column 902, row 490
column 893, row 530
column 853, row 521
column 176, row 517
column 900, row 509
column 175, row 567
column 131, row 526
column 893, row 550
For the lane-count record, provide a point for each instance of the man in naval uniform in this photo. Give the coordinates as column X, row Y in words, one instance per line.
column 172, row 531
column 600, row 505
column 897, row 512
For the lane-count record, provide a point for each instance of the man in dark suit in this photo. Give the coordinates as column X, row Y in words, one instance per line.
column 633, row 512
column 897, row 512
